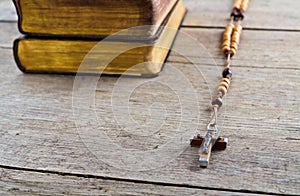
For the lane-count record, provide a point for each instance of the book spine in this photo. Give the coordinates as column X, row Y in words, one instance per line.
column 20, row 17
column 16, row 55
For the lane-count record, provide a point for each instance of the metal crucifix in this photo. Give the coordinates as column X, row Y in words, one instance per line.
column 211, row 141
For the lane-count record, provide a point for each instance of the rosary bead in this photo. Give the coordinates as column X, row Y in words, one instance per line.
column 224, row 84
column 217, row 101
column 235, row 33
column 222, row 89
column 237, row 5
column 244, row 6
column 226, row 43
column 235, row 36
column 225, row 49
column 225, row 80
column 229, row 28
column 237, row 15
column 238, row 28
column 235, row 39
column 226, row 72
column 234, row 45
column 227, row 38
column 232, row 51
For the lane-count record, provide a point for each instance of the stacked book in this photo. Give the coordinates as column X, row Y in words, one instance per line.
column 59, row 34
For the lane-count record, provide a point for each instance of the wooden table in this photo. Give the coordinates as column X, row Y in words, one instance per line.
column 41, row 151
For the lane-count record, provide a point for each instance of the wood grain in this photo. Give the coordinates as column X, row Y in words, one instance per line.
column 34, row 183
column 8, row 11
column 38, row 129
column 271, row 14
column 9, row 32
column 258, row 49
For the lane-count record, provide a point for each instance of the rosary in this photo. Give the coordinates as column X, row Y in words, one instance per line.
column 231, row 38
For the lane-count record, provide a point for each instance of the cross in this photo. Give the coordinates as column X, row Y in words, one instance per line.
column 211, row 141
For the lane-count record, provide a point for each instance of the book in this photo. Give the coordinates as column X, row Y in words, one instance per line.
column 53, row 55
column 90, row 18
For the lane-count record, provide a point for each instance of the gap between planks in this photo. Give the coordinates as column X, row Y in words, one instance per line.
column 205, row 27
column 145, row 182
column 244, row 28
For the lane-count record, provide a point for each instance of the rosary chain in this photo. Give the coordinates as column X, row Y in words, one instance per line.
column 231, row 40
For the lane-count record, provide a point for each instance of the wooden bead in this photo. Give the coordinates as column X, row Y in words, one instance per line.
column 238, row 28
column 226, row 36
column 226, row 46
column 244, row 5
column 229, row 28
column 228, row 32
column 224, row 84
column 225, row 80
column 222, row 89
column 225, row 49
column 231, row 39
column 235, row 36
column 237, row 5
column 232, row 51
column 236, row 39
column 234, row 45
column 226, row 43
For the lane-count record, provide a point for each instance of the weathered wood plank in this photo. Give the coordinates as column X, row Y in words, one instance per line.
column 38, row 130
column 272, row 14
column 9, row 32
column 7, row 11
column 33, row 183
column 261, row 49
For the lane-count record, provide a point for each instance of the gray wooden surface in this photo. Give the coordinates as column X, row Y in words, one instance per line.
column 41, row 151
column 37, row 183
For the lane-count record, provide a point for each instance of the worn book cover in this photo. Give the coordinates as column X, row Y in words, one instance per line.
column 90, row 18
column 53, row 55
